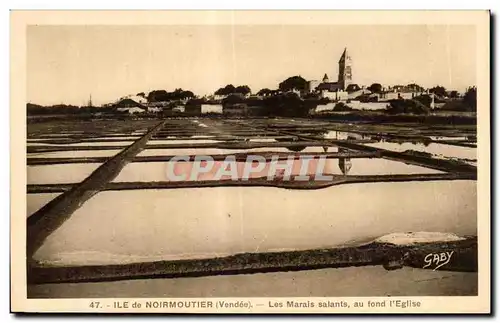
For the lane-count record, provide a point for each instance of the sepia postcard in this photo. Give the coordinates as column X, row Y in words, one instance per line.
column 250, row 162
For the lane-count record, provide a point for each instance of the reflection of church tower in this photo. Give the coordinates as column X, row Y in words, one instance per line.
column 345, row 70
column 345, row 164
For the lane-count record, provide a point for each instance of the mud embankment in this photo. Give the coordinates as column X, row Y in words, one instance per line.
column 460, row 256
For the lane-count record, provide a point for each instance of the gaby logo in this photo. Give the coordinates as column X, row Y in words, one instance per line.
column 437, row 259
column 296, row 168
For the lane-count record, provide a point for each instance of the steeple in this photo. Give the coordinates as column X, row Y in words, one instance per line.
column 345, row 70
column 325, row 79
column 345, row 56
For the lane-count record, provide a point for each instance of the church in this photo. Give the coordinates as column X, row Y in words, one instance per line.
column 327, row 88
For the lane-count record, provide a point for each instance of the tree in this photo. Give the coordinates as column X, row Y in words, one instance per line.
column 293, row 83
column 401, row 106
column 454, row 94
column 228, row 89
column 470, row 98
column 157, row 95
column 415, row 87
column 341, row 107
column 366, row 98
column 438, row 90
column 375, row 88
column 141, row 94
column 353, row 88
column 264, row 92
column 425, row 99
column 233, row 99
column 187, row 95
column 242, row 89
column 162, row 95
column 286, row 105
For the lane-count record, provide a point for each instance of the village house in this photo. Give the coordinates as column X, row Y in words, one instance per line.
column 154, row 109
column 130, row 106
column 131, row 110
column 406, row 92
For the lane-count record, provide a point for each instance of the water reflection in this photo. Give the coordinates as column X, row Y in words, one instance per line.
column 436, row 149
column 345, row 164
column 296, row 148
column 343, row 135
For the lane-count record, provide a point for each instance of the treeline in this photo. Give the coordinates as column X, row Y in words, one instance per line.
column 284, row 105
column 467, row 104
column 231, row 89
column 422, row 104
column 36, row 109
column 284, row 101
column 163, row 95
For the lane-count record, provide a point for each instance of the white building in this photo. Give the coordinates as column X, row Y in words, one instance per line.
column 131, row 110
column 211, row 108
column 312, row 85
column 335, row 96
column 219, row 96
column 154, row 109
column 179, row 108
column 136, row 98
column 367, row 105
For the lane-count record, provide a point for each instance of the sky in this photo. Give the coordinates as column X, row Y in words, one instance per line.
column 67, row 64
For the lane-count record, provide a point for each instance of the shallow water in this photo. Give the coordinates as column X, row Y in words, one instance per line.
column 60, row 134
column 103, row 143
column 76, row 153
column 145, row 225
column 60, row 173
column 262, row 140
column 448, row 138
column 93, row 143
column 180, row 141
column 315, row 149
column 217, row 151
column 39, row 139
column 134, row 138
column 342, row 135
column 157, row 171
column 34, row 202
column 440, row 150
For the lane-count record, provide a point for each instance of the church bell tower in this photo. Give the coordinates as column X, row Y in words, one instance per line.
column 345, row 70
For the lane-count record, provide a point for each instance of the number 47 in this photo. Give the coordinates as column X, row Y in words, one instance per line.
column 94, row 304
